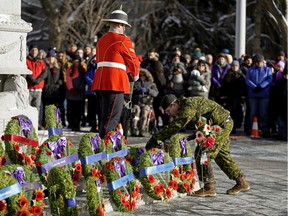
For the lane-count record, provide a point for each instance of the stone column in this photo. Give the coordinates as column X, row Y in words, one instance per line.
column 14, row 94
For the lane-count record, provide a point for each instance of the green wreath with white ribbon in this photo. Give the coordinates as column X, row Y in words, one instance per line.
column 62, row 193
column 12, row 200
column 20, row 140
column 30, row 184
column 2, row 155
column 155, row 172
column 183, row 174
column 91, row 152
column 123, row 189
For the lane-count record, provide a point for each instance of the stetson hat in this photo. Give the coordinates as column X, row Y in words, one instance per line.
column 118, row 16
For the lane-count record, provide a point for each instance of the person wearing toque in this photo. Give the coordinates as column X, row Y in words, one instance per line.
column 186, row 112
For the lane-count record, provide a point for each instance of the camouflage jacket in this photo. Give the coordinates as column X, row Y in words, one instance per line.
column 189, row 111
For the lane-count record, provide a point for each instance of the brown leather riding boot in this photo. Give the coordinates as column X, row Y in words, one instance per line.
column 241, row 186
column 208, row 190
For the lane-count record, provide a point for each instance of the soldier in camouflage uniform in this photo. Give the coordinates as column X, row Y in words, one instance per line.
column 186, row 112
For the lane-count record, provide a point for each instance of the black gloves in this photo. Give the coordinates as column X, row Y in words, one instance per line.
column 191, row 137
column 257, row 89
column 152, row 143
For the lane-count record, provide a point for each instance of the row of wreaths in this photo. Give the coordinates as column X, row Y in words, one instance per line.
column 58, row 166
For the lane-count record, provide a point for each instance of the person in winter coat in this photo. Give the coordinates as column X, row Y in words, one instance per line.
column 234, row 90
column 186, row 112
column 199, row 81
column 258, row 82
column 145, row 90
column 219, row 70
column 53, row 82
column 35, row 81
column 116, row 59
column 75, row 91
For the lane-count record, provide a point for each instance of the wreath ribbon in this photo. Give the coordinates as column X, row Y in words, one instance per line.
column 53, row 131
column 60, row 162
column 120, row 182
column 20, row 139
column 121, row 153
column 10, row 191
column 156, row 169
column 70, row 202
column 182, row 161
column 93, row 158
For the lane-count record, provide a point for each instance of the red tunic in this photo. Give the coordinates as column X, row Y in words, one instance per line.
column 115, row 58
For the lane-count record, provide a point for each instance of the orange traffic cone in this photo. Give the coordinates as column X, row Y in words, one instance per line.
column 255, row 131
column 119, row 128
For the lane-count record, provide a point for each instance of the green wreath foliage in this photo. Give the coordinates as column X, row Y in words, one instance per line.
column 156, row 186
column 34, row 197
column 51, row 120
column 126, row 197
column 60, row 187
column 92, row 173
column 184, row 175
column 109, row 144
column 20, row 153
column 44, row 155
column 15, row 205
column 2, row 155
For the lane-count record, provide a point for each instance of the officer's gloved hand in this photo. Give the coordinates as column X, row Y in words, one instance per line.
column 191, row 137
column 152, row 143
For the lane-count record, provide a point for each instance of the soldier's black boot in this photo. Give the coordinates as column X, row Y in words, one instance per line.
column 208, row 190
column 241, row 186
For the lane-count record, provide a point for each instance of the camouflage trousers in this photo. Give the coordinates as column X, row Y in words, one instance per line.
column 221, row 154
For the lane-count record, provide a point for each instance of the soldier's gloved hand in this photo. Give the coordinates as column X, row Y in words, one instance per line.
column 152, row 142
column 144, row 90
column 191, row 137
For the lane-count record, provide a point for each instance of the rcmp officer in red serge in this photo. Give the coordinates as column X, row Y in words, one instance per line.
column 116, row 60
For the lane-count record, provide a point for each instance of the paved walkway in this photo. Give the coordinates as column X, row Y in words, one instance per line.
column 264, row 162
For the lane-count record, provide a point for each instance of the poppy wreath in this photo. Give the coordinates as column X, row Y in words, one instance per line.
column 2, row 155
column 57, row 151
column 30, row 184
column 123, row 189
column 115, row 145
column 53, row 120
column 91, row 151
column 155, row 169
column 61, row 193
column 12, row 200
column 183, row 174
column 134, row 158
column 20, row 140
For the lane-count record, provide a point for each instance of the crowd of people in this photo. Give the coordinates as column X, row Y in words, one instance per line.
column 248, row 87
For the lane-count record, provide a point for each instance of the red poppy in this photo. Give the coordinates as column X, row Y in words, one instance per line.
column 49, row 153
column 37, row 210
column 153, row 149
column 23, row 202
column 186, row 187
column 28, row 160
column 21, row 157
column 70, row 145
column 161, row 187
column 133, row 204
column 45, row 144
column 200, row 123
column 119, row 192
column 3, row 160
column 78, row 168
column 206, row 162
column 175, row 185
column 39, row 195
column 157, row 189
column 2, row 205
column 93, row 172
column 106, row 142
column 151, row 178
column 194, row 181
column 102, row 178
column 183, row 177
column 76, row 177
column 134, row 194
column 217, row 129
column 31, row 209
column 100, row 212
column 175, row 172
column 39, row 150
column 170, row 184
column 39, row 164
column 168, row 193
column 24, row 213
column 137, row 188
column 33, row 157
column 111, row 167
column 193, row 166
column 17, row 147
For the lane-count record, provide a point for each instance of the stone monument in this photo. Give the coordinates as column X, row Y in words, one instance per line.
column 14, row 94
